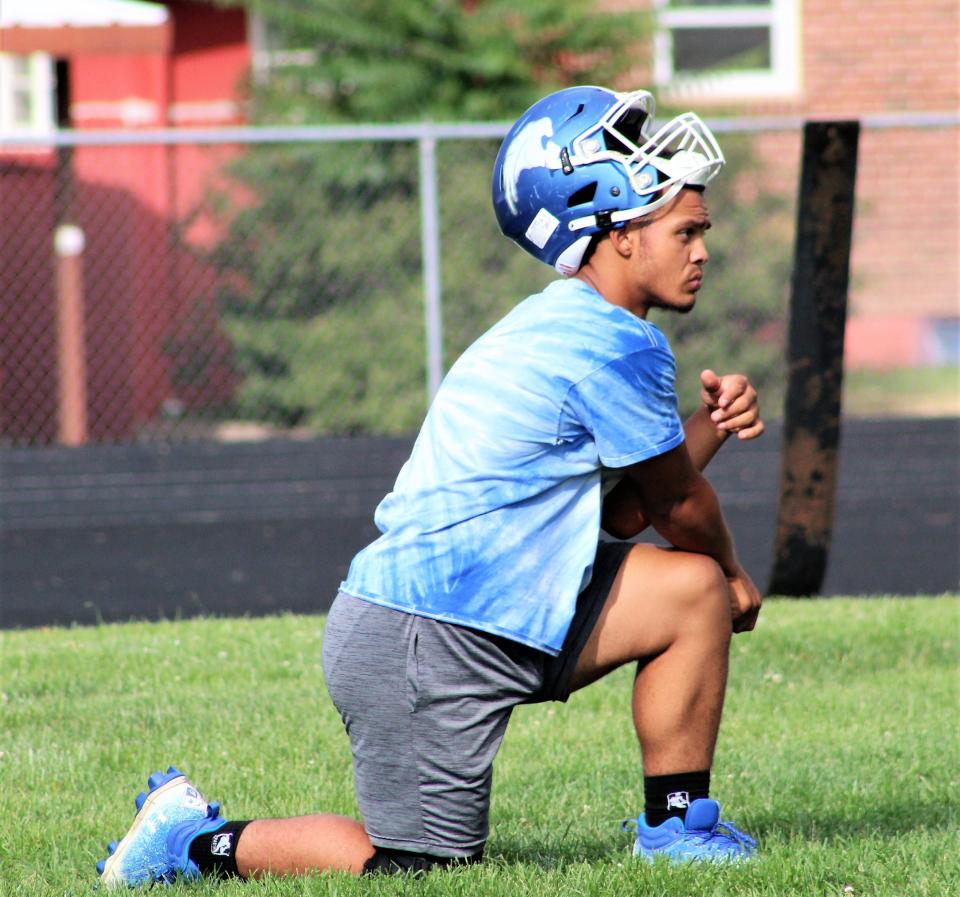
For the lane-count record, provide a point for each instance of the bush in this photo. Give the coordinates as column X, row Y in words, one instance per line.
column 319, row 266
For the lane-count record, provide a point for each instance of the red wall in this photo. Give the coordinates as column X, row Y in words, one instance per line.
column 869, row 57
column 144, row 294
column 27, row 326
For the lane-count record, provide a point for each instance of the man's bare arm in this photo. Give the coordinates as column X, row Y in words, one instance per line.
column 729, row 406
column 624, row 515
column 682, row 506
column 685, row 510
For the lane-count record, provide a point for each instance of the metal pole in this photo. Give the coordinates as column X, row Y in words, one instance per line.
column 430, row 242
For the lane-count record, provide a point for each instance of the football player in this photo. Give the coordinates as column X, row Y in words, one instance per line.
column 490, row 584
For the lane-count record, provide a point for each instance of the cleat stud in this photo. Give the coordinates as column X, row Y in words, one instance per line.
column 140, row 800
column 173, row 771
column 101, row 865
column 213, row 810
column 155, row 781
column 112, row 847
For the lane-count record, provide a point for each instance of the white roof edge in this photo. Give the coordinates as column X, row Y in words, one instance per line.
column 86, row 14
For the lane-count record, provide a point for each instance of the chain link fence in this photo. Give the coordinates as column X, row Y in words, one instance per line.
column 178, row 286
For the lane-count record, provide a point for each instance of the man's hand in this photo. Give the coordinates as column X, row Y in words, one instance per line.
column 732, row 403
column 745, row 600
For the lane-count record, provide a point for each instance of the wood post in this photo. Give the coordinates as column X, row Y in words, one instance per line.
column 71, row 342
column 818, row 311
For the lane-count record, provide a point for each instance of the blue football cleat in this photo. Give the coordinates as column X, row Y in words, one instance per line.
column 701, row 837
column 168, row 818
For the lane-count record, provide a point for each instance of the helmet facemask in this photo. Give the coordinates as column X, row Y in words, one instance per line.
column 683, row 152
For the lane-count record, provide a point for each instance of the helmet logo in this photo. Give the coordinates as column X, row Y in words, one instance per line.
column 542, row 228
column 527, row 150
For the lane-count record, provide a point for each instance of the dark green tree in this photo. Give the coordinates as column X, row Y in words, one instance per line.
column 444, row 60
column 321, row 284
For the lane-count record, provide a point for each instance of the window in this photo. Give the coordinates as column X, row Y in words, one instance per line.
column 268, row 53
column 26, row 93
column 728, row 49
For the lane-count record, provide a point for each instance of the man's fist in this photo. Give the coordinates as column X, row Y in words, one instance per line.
column 732, row 403
column 745, row 601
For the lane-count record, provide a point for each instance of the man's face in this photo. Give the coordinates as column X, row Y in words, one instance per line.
column 670, row 253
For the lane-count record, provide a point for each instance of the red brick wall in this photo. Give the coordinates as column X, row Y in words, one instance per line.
column 877, row 56
column 870, row 57
column 862, row 56
column 906, row 232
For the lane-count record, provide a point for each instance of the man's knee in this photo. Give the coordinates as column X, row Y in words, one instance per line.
column 703, row 589
column 660, row 597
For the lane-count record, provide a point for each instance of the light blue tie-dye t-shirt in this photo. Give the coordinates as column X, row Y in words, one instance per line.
column 494, row 520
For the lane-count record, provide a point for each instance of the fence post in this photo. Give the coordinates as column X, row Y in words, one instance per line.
column 430, row 243
column 818, row 311
column 68, row 245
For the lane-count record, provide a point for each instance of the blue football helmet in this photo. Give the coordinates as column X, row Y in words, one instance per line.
column 585, row 160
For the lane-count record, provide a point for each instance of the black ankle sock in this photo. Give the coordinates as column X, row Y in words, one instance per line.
column 216, row 852
column 670, row 795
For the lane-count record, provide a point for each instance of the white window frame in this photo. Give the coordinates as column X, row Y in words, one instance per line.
column 781, row 80
column 266, row 56
column 39, row 86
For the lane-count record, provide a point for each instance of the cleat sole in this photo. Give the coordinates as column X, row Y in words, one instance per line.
column 159, row 779
column 108, row 874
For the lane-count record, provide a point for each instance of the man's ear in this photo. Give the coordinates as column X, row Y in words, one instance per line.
column 621, row 242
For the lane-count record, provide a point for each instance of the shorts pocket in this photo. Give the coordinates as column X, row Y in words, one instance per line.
column 413, row 668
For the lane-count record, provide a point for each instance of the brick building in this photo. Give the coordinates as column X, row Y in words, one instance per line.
column 124, row 64
column 879, row 60
column 111, row 65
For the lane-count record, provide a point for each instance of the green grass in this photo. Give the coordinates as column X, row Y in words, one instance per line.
column 902, row 392
column 839, row 751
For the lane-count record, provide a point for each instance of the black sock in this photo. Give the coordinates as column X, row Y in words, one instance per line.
column 670, row 795
column 215, row 853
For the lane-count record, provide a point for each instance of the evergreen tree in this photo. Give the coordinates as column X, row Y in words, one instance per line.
column 321, row 286
column 445, row 60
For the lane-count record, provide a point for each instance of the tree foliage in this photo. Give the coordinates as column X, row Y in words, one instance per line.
column 321, row 283
column 320, row 260
column 445, row 60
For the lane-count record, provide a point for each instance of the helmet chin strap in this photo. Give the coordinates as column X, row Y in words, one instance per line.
column 606, row 219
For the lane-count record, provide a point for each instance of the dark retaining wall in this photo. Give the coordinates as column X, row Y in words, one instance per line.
column 119, row 532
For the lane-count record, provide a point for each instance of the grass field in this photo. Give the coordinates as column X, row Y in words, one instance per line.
column 902, row 392
column 839, row 751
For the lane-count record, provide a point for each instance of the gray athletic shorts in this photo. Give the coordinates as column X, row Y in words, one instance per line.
column 426, row 704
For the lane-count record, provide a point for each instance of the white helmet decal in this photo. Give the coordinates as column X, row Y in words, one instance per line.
column 527, row 151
